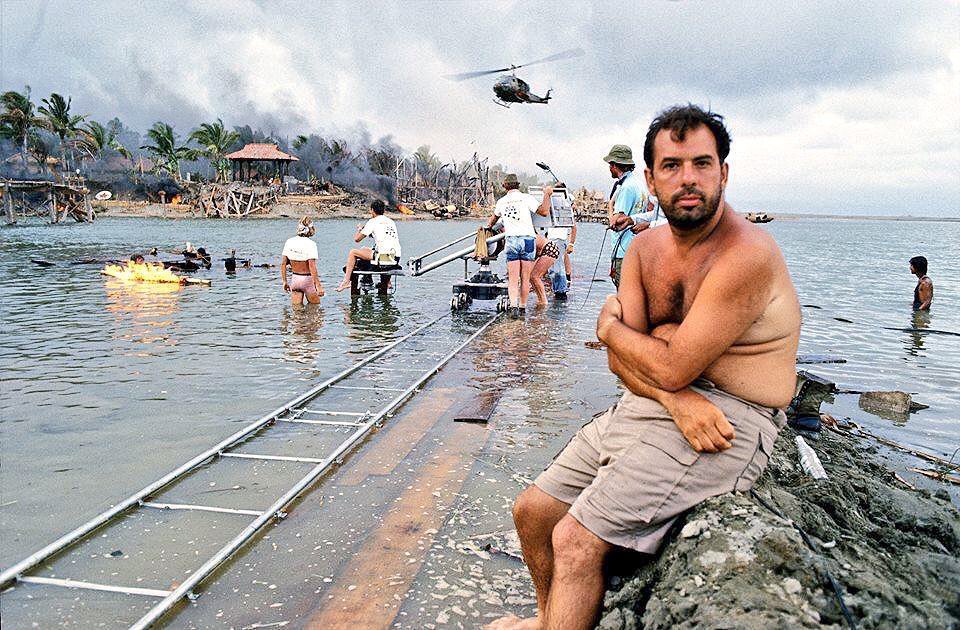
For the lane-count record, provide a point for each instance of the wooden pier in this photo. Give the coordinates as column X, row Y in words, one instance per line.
column 43, row 198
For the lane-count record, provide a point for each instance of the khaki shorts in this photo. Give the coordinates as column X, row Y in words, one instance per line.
column 629, row 472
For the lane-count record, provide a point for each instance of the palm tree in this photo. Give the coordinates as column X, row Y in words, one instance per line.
column 56, row 110
column 95, row 139
column 166, row 153
column 41, row 146
column 18, row 119
column 215, row 141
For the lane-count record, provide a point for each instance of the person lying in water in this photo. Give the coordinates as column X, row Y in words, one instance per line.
column 300, row 253
column 703, row 333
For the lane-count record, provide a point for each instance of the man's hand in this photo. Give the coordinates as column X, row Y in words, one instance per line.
column 639, row 226
column 547, row 191
column 700, row 421
column 611, row 313
column 286, row 287
column 620, row 222
column 569, row 248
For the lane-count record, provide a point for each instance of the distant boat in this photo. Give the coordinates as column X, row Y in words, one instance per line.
column 758, row 217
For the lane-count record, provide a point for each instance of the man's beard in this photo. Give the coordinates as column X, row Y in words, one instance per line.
column 691, row 218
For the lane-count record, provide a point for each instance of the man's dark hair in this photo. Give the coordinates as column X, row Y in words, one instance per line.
column 378, row 207
column 511, row 185
column 919, row 263
column 624, row 167
column 680, row 119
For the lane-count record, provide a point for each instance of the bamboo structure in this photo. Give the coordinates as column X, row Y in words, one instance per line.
column 464, row 187
column 42, row 198
column 590, row 206
column 235, row 200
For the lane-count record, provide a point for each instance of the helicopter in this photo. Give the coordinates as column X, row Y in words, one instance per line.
column 513, row 89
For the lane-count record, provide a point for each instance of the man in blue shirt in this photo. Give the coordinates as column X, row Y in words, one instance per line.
column 632, row 209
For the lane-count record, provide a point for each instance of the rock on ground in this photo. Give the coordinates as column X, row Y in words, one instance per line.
column 732, row 563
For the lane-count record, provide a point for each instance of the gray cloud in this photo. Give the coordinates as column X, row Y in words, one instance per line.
column 821, row 78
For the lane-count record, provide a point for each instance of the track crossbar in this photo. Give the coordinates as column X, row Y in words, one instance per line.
column 93, row 586
column 329, row 423
column 277, row 458
column 199, row 508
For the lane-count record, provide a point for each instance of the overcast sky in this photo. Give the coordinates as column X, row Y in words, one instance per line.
column 834, row 107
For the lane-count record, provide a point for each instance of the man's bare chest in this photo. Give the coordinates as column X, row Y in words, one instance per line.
column 670, row 291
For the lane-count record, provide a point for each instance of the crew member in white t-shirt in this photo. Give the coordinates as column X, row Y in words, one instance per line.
column 385, row 238
column 301, row 254
column 516, row 209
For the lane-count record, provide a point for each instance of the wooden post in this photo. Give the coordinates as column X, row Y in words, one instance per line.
column 89, row 207
column 53, row 205
column 8, row 197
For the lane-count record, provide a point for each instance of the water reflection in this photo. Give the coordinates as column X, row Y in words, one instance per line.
column 915, row 339
column 143, row 311
column 372, row 314
column 300, row 332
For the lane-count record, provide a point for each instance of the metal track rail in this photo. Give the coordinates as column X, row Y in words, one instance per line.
column 363, row 423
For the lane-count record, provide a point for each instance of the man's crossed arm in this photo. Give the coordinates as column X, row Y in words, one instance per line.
column 661, row 364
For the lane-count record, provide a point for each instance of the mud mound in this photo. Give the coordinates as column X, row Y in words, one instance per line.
column 733, row 563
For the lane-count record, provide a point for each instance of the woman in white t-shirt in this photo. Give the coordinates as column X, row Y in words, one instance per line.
column 515, row 210
column 385, row 238
column 301, row 254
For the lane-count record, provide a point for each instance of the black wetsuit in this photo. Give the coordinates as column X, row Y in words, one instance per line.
column 916, row 293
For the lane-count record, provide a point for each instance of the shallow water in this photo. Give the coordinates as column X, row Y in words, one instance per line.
column 107, row 386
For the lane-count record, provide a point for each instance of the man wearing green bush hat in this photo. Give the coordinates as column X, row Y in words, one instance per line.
column 632, row 210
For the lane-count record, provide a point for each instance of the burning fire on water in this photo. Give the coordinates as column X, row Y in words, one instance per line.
column 148, row 272
column 141, row 272
column 176, row 199
column 404, row 209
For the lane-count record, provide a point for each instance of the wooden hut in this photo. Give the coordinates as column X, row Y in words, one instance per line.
column 244, row 162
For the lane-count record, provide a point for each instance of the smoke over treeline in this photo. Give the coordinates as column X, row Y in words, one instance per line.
column 49, row 140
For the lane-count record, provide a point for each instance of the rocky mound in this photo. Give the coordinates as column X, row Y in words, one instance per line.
column 893, row 553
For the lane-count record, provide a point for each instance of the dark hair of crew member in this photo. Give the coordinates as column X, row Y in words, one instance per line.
column 624, row 167
column 378, row 207
column 919, row 264
column 682, row 118
column 511, row 185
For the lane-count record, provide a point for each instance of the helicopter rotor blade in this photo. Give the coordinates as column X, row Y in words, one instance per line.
column 463, row 76
column 566, row 54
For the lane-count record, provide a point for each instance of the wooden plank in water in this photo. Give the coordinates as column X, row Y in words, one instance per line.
column 478, row 408
column 368, row 592
column 819, row 358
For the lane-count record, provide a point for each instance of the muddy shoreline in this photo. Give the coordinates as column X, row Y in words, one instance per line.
column 893, row 551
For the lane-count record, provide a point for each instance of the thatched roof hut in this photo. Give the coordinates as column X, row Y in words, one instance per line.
column 258, row 152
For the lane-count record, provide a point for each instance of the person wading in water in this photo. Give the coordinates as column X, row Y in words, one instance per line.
column 301, row 254
column 923, row 292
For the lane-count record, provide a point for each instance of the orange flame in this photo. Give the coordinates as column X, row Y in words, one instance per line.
column 404, row 209
column 142, row 272
column 176, row 198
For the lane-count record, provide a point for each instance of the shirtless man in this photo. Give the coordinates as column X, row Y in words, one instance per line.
column 703, row 334
column 923, row 292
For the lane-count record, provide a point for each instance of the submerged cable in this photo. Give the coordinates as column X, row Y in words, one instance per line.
column 847, row 615
column 597, row 266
